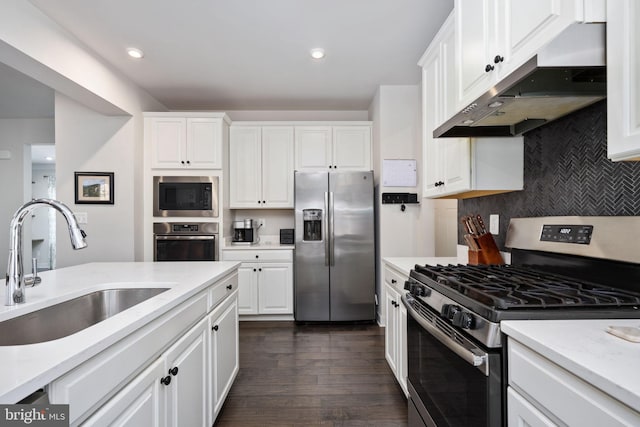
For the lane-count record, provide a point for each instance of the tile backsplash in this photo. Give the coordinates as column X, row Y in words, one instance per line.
column 566, row 172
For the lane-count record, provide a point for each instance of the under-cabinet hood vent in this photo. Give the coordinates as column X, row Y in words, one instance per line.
column 568, row 75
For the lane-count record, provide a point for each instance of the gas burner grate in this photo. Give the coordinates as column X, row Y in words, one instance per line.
column 509, row 287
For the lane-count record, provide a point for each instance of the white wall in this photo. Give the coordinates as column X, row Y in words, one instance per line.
column 87, row 141
column 15, row 180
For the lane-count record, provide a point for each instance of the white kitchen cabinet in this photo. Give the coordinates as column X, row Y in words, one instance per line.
column 623, row 75
column 460, row 167
column 265, row 281
column 542, row 393
column 396, row 325
column 223, row 353
column 494, row 37
column 341, row 147
column 139, row 404
column 186, row 142
column 261, row 167
column 186, row 386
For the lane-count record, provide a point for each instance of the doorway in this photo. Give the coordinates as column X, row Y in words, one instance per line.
column 43, row 221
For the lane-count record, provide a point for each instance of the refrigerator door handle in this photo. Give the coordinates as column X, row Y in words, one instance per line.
column 332, row 260
column 325, row 226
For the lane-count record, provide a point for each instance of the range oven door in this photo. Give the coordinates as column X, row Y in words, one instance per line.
column 452, row 380
column 184, row 248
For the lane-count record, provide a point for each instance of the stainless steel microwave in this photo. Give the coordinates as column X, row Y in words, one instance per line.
column 185, row 196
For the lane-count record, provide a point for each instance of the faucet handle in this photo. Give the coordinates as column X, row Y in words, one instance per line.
column 34, row 279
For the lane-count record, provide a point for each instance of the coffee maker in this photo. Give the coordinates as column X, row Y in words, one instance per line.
column 245, row 232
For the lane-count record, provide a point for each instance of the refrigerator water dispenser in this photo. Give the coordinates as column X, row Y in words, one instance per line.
column 312, row 220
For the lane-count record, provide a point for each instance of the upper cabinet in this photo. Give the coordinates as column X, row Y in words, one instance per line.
column 494, row 37
column 623, row 75
column 261, row 167
column 460, row 167
column 181, row 142
column 341, row 147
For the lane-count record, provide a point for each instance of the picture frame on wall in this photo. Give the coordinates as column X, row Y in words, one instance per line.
column 94, row 187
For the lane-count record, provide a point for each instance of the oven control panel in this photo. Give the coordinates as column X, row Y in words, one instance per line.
column 580, row 234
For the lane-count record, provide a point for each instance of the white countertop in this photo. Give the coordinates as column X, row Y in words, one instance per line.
column 406, row 264
column 584, row 348
column 28, row 367
column 265, row 243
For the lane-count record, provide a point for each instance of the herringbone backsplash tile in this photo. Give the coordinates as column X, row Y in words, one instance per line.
column 566, row 172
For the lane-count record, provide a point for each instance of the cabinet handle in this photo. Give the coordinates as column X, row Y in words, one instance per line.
column 264, row 202
column 166, row 380
column 188, row 162
column 394, row 281
column 489, row 67
column 498, row 59
column 255, row 269
column 182, row 161
column 259, row 269
column 259, row 202
column 174, row 371
column 335, row 166
column 257, row 256
column 229, row 287
column 330, row 166
column 215, row 327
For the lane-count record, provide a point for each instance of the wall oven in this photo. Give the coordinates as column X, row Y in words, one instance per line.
column 561, row 268
column 194, row 241
column 182, row 196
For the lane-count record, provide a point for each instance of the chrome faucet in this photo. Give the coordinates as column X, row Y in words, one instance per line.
column 15, row 283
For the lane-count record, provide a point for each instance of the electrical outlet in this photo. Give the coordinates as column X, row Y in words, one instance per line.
column 261, row 222
column 81, row 217
column 494, row 224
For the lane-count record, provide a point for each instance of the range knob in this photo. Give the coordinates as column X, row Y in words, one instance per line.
column 463, row 320
column 449, row 311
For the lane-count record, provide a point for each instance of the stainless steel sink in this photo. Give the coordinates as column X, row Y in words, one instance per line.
column 71, row 316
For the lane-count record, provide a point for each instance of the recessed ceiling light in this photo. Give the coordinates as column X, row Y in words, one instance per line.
column 49, row 158
column 135, row 53
column 317, row 53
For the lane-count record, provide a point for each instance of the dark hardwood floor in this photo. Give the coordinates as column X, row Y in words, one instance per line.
column 313, row 375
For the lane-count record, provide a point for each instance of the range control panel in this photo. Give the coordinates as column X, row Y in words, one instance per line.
column 580, row 234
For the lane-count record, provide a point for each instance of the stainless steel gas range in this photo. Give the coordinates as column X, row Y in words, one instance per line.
column 561, row 268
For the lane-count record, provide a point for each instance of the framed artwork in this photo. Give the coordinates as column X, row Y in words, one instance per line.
column 94, row 188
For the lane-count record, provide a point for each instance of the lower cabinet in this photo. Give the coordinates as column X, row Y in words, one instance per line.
column 185, row 385
column 266, row 286
column 396, row 327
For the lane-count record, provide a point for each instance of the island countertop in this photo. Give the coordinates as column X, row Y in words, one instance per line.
column 25, row 368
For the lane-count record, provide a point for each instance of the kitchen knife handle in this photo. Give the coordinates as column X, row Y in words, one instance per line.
column 483, row 229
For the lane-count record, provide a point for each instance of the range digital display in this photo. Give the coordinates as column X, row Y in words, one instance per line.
column 580, row 234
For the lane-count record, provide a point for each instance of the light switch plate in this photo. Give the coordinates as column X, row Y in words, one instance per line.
column 81, row 217
column 494, row 224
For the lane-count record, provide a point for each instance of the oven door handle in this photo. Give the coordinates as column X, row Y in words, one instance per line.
column 168, row 237
column 480, row 361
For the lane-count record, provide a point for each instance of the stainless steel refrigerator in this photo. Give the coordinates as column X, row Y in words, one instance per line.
column 334, row 254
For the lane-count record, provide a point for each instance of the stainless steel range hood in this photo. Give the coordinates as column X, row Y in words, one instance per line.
column 564, row 77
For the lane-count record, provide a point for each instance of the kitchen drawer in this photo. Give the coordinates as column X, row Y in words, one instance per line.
column 394, row 278
column 556, row 391
column 96, row 380
column 224, row 288
column 250, row 255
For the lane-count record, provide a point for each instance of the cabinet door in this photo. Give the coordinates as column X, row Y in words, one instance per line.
column 623, row 75
column 168, row 142
column 223, row 352
column 522, row 413
column 352, row 147
column 140, row 403
column 186, row 364
column 245, row 167
column 275, row 288
column 204, row 143
column 313, row 147
column 248, row 288
column 457, row 164
column 277, row 167
column 431, row 95
column 390, row 332
column 474, row 45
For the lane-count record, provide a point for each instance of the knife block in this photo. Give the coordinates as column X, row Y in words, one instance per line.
column 489, row 254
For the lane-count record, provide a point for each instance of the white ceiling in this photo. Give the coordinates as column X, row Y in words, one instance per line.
column 254, row 54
